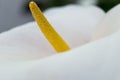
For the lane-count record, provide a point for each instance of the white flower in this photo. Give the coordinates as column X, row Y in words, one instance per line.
column 22, row 48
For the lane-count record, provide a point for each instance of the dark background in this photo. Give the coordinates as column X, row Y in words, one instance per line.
column 16, row 12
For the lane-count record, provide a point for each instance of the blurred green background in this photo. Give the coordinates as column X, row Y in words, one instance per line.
column 16, row 12
column 104, row 4
column 107, row 4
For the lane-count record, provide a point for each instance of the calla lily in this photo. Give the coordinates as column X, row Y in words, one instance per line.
column 26, row 54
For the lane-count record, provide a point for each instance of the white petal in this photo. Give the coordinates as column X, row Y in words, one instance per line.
column 95, row 61
column 110, row 24
column 24, row 42
column 75, row 23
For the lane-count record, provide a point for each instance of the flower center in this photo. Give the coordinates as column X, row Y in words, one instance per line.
column 52, row 36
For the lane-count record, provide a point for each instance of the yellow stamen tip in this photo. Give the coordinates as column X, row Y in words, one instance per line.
column 52, row 36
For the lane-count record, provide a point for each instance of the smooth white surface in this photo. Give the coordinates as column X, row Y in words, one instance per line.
column 110, row 23
column 97, row 60
column 74, row 23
